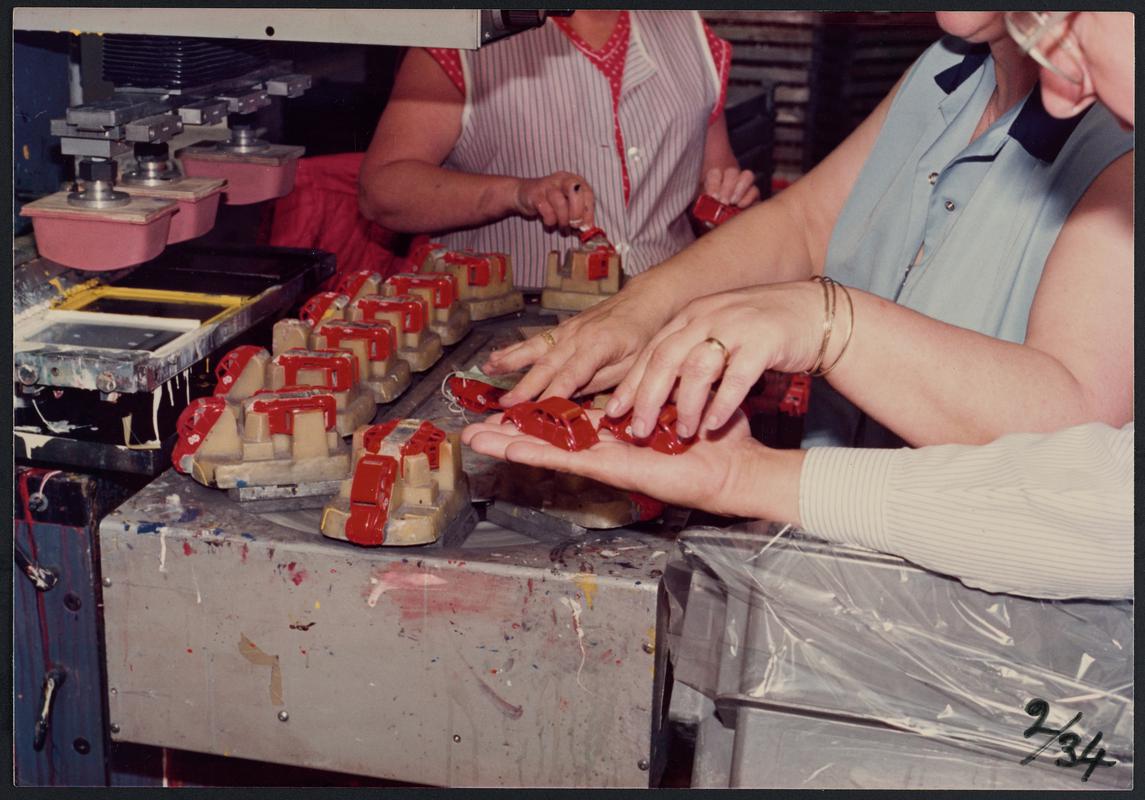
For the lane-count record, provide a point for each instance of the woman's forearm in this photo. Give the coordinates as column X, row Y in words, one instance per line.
column 755, row 247
column 417, row 197
column 933, row 383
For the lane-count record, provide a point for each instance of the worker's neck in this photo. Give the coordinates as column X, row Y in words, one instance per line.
column 1015, row 74
column 594, row 26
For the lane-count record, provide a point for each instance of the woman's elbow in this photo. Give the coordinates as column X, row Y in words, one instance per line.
column 376, row 203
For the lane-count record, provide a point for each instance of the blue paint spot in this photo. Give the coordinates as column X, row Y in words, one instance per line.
column 189, row 515
column 246, row 535
column 148, row 527
column 240, row 484
column 126, row 526
column 217, row 531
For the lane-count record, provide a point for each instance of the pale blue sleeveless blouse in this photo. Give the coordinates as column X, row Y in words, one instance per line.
column 986, row 212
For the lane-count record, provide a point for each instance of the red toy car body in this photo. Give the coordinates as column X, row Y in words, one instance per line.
column 797, row 396
column 475, row 395
column 557, row 420
column 663, row 438
column 711, row 213
column 370, row 493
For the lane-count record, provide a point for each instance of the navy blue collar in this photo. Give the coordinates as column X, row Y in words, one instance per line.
column 952, row 77
column 1041, row 135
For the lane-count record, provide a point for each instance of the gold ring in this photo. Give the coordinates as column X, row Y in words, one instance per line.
column 548, row 337
column 716, row 344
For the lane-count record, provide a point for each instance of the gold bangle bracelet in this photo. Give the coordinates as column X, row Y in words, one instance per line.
column 828, row 320
column 850, row 332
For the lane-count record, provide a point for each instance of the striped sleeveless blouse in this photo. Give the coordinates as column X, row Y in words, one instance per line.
column 537, row 103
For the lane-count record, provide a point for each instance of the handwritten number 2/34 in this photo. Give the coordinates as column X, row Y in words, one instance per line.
column 1066, row 739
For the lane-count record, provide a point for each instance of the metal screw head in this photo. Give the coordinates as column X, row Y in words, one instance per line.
column 648, row 647
column 114, row 727
column 37, row 501
column 105, row 382
column 642, row 765
column 283, row 715
column 72, row 602
column 107, row 581
column 26, row 374
column 456, row 738
column 113, row 690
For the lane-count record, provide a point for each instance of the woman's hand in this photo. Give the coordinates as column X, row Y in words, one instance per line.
column 732, row 186
column 589, row 352
column 720, row 473
column 779, row 326
column 561, row 200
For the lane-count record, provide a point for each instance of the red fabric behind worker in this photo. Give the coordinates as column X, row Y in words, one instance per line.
column 322, row 213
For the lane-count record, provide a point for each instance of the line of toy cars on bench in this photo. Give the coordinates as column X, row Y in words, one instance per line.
column 279, row 419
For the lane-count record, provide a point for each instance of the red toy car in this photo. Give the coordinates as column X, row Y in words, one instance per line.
column 557, row 420
column 797, row 396
column 475, row 395
column 663, row 438
column 711, row 213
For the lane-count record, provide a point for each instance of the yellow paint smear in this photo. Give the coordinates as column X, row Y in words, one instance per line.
column 317, row 604
column 78, row 288
column 250, row 651
column 652, row 641
column 587, row 584
column 26, row 152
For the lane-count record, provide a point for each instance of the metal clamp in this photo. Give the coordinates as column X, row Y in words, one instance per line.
column 287, row 85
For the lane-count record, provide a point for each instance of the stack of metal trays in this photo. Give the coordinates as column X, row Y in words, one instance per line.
column 177, row 62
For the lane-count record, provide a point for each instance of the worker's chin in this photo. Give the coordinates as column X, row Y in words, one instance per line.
column 973, row 26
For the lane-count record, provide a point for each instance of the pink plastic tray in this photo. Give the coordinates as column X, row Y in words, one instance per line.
column 193, row 218
column 246, row 183
column 99, row 244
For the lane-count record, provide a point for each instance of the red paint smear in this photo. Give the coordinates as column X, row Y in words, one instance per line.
column 493, row 672
column 419, row 592
column 298, row 577
column 189, row 650
column 245, row 550
column 529, row 583
column 606, row 654
column 187, row 549
column 332, row 570
column 291, row 566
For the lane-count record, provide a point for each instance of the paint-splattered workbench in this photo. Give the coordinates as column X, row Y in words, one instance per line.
column 508, row 662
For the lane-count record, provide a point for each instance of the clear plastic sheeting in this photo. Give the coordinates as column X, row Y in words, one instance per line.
column 864, row 670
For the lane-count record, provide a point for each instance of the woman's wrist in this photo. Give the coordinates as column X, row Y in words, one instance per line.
column 501, row 198
column 827, row 325
column 657, row 294
column 764, row 483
